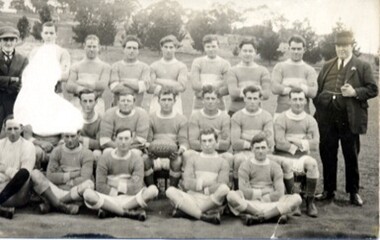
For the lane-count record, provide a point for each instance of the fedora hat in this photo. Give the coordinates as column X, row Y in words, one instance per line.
column 344, row 38
column 9, row 32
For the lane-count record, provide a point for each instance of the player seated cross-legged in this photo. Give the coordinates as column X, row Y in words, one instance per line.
column 261, row 188
column 167, row 127
column 205, row 182
column 296, row 133
column 210, row 116
column 68, row 175
column 120, row 181
column 245, row 124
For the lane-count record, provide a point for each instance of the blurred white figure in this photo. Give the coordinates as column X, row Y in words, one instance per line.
column 37, row 103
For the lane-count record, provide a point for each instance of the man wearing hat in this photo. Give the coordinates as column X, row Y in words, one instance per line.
column 12, row 65
column 345, row 83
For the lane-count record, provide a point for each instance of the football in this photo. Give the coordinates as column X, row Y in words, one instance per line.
column 162, row 148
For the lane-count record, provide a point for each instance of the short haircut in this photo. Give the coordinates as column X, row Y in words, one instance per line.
column 296, row 91
column 131, row 38
column 9, row 117
column 209, row 89
column 123, row 129
column 166, row 91
column 91, row 37
column 247, row 41
column 297, row 39
column 126, row 93
column 253, row 89
column 49, row 24
column 208, row 131
column 258, row 138
column 87, row 91
column 209, row 38
column 168, row 39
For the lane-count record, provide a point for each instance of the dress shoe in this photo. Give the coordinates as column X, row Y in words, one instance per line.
column 178, row 213
column 355, row 199
column 7, row 212
column 138, row 214
column 211, row 218
column 311, row 209
column 250, row 220
column 325, row 196
column 44, row 208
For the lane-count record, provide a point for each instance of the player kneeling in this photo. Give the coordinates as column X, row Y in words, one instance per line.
column 261, row 188
column 205, row 180
column 119, row 181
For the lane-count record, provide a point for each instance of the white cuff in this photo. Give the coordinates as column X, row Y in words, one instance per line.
column 305, row 145
column 66, row 177
column 304, row 88
column 86, row 142
column 199, row 186
column 242, row 93
column 183, row 147
column 122, row 187
column 247, row 145
column 206, row 191
column 157, row 90
column 286, row 91
column 113, row 85
column 10, row 172
column 293, row 148
column 142, row 87
column 113, row 192
column 266, row 198
column 104, row 140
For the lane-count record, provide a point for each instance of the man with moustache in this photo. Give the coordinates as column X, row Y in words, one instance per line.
column 90, row 73
column 12, row 65
column 345, row 83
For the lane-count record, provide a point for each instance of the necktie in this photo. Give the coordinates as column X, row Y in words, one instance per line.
column 341, row 65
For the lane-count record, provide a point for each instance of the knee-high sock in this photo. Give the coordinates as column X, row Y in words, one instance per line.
column 289, row 185
column 311, row 185
column 14, row 185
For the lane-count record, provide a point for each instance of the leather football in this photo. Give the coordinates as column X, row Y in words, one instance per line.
column 162, row 148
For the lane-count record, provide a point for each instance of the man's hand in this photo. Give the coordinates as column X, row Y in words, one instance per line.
column 152, row 155
column 174, row 156
column 348, row 91
column 295, row 87
column 14, row 84
column 74, row 174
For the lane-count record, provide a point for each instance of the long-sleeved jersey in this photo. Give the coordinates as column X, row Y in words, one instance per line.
column 205, row 170
column 63, row 161
column 245, row 125
column 90, row 132
column 290, row 128
column 289, row 72
column 16, row 155
column 123, row 175
column 134, row 76
column 172, row 128
column 220, row 122
column 137, row 121
column 256, row 178
column 241, row 76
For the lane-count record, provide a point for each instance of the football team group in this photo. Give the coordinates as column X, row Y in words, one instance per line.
column 229, row 154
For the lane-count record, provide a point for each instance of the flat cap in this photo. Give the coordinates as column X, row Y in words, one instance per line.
column 8, row 32
column 344, row 38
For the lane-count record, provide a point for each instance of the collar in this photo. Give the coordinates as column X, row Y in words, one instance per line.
column 174, row 60
column 123, row 115
column 296, row 117
column 114, row 155
column 346, row 60
column 77, row 149
column 130, row 63
column 212, row 59
column 9, row 55
column 205, row 155
column 290, row 61
column 258, row 112
column 172, row 115
column 254, row 161
column 253, row 65
column 210, row 116
column 92, row 120
column 7, row 140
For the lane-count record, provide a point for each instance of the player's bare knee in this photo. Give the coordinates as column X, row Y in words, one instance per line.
column 175, row 165
column 233, row 198
column 222, row 190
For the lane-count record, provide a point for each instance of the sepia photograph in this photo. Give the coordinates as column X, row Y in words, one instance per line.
column 186, row 119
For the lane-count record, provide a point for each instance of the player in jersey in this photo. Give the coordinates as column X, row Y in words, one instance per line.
column 169, row 72
column 91, row 127
column 210, row 117
column 89, row 73
column 120, row 181
column 205, row 182
column 124, row 115
column 68, row 175
column 246, row 73
column 296, row 134
column 293, row 73
column 171, row 126
column 209, row 70
column 247, row 123
column 130, row 73
column 261, row 188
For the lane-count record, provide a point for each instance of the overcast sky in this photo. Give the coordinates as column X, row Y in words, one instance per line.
column 361, row 16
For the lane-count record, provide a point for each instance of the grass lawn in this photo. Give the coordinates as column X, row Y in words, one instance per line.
column 335, row 218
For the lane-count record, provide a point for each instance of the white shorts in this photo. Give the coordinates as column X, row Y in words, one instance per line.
column 58, row 192
column 119, row 200
column 201, row 200
column 298, row 164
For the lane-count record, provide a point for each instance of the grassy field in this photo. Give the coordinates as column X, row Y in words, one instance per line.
column 335, row 219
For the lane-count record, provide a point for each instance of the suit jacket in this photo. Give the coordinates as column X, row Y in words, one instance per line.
column 15, row 69
column 359, row 76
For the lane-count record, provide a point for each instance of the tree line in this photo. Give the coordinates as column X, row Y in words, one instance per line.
column 150, row 24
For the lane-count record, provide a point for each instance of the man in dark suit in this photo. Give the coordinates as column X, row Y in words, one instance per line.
column 11, row 66
column 345, row 83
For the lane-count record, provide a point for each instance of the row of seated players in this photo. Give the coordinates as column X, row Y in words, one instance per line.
column 295, row 133
column 120, row 188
